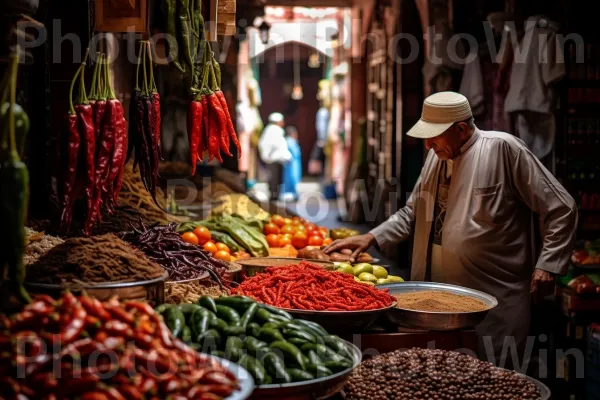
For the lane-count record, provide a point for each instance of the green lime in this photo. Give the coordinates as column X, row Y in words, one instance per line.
column 345, row 268
column 379, row 271
column 381, row 281
column 394, row 279
column 362, row 267
column 365, row 276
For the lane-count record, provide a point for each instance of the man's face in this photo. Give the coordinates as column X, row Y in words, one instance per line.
column 447, row 145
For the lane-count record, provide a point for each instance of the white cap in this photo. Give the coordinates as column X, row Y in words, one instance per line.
column 440, row 111
column 275, row 117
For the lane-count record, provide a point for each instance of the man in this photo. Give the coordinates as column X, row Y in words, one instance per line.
column 472, row 213
column 274, row 152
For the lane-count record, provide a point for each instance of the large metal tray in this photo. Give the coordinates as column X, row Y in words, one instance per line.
column 341, row 321
column 151, row 291
column 436, row 321
column 316, row 389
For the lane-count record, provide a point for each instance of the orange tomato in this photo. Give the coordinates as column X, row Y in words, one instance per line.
column 297, row 218
column 300, row 240
column 273, row 240
column 314, row 232
column 270, row 228
column 315, row 241
column 327, row 241
column 288, row 229
column 288, row 235
column 310, row 227
column 324, row 232
column 287, row 221
column 296, row 222
column 210, row 247
column 300, row 228
column 222, row 255
column 284, row 241
column 202, row 233
column 189, row 237
column 223, row 247
column 278, row 220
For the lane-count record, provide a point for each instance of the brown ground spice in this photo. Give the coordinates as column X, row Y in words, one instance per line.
column 438, row 301
column 95, row 259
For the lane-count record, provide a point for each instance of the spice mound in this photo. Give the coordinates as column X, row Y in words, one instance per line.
column 190, row 292
column 439, row 301
column 81, row 348
column 307, row 286
column 96, row 259
column 38, row 244
column 429, row 374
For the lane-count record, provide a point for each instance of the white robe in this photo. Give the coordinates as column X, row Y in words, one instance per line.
column 488, row 240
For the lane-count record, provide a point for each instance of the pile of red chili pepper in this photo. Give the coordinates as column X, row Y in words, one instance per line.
column 307, row 286
column 144, row 122
column 209, row 125
column 81, row 348
column 91, row 149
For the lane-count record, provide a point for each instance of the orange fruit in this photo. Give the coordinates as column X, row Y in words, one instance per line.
column 273, row 240
column 210, row 247
column 222, row 255
column 189, row 237
column 223, row 247
column 203, row 234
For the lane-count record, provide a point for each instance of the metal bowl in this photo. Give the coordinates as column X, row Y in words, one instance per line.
column 340, row 321
column 316, row 389
column 436, row 321
column 151, row 291
column 545, row 393
column 244, row 378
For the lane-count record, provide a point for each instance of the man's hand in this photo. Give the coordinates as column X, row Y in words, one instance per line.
column 358, row 243
column 542, row 284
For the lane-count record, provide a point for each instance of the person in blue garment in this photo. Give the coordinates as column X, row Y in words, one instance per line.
column 292, row 170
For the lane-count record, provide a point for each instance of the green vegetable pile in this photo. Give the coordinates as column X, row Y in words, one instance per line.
column 266, row 341
column 235, row 232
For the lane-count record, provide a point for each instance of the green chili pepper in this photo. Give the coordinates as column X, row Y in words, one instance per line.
column 299, row 375
column 300, row 334
column 271, row 325
column 336, row 344
column 240, row 303
column 248, row 315
column 270, row 335
column 297, row 342
column 234, row 348
column 338, row 366
column 318, row 370
column 314, row 358
column 188, row 309
column 175, row 320
column 208, row 302
column 253, row 329
column 324, row 352
column 171, row 29
column 186, row 46
column 198, row 19
column 290, row 351
column 186, row 335
column 277, row 311
column 252, row 344
column 163, row 307
column 218, row 353
column 263, row 315
column 209, row 338
column 21, row 125
column 254, row 368
column 312, row 325
column 14, row 196
column 228, row 314
column 199, row 324
column 218, row 324
column 234, row 330
column 276, row 368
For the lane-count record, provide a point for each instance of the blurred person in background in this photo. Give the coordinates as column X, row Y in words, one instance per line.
column 292, row 170
column 273, row 151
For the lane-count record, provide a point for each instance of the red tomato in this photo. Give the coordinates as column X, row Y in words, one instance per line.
column 310, row 227
column 324, row 232
column 288, row 235
column 203, row 234
column 278, row 220
column 273, row 240
column 223, row 247
column 300, row 228
column 270, row 228
column 189, row 237
column 222, row 255
column 327, row 241
column 287, row 221
column 288, row 229
column 315, row 241
column 284, row 241
column 210, row 247
column 297, row 218
column 300, row 240
column 314, row 232
column 296, row 222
